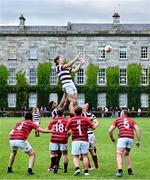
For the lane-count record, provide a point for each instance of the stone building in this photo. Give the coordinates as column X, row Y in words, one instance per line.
column 24, row 47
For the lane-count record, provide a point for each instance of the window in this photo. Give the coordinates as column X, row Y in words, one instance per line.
column 101, row 100
column 33, row 53
column 144, row 77
column 12, row 76
column 81, row 99
column 80, row 77
column 53, row 77
column 32, row 100
column 101, row 53
column 123, row 100
column 32, row 76
column 12, row 52
column 123, row 52
column 53, row 97
column 123, row 77
column 12, row 100
column 101, row 77
column 53, row 52
column 80, row 50
column 144, row 100
column 144, row 52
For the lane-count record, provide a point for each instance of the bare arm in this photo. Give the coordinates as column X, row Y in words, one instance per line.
column 69, row 64
column 96, row 122
column 63, row 99
column 137, row 130
column 82, row 61
column 111, row 129
column 44, row 130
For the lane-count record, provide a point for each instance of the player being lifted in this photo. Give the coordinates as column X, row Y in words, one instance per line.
column 64, row 74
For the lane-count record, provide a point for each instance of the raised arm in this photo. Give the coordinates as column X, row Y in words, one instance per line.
column 82, row 61
column 69, row 64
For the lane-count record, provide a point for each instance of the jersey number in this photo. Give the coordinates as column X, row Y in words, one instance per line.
column 79, row 128
column 59, row 127
column 19, row 127
column 126, row 124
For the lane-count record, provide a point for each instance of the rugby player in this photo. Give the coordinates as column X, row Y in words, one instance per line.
column 126, row 127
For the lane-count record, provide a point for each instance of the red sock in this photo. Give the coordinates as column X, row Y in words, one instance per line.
column 95, row 160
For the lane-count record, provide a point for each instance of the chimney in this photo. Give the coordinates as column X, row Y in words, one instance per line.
column 69, row 26
column 22, row 22
column 116, row 18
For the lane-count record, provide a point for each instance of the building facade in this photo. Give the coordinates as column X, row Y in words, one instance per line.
column 23, row 48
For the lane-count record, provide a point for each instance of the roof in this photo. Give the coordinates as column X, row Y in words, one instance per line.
column 79, row 28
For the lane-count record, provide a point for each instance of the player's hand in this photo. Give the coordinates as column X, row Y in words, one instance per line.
column 138, row 144
column 82, row 61
column 113, row 140
column 77, row 57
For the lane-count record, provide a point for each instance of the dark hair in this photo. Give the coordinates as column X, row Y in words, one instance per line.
column 56, row 59
column 50, row 104
column 60, row 111
column 89, row 107
column 28, row 116
column 78, row 110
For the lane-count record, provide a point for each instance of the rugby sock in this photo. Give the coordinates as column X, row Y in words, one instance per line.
column 65, row 167
column 30, row 170
column 89, row 163
column 86, row 171
column 77, row 168
column 9, row 169
column 120, row 171
column 130, row 171
column 53, row 159
column 95, row 160
column 94, row 149
column 58, row 158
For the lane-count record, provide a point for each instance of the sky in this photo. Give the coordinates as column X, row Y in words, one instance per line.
column 59, row 12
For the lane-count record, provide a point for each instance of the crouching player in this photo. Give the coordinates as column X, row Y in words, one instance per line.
column 91, row 137
column 59, row 140
column 18, row 140
column 80, row 146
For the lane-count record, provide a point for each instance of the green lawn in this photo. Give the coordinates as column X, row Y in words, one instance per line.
column 105, row 151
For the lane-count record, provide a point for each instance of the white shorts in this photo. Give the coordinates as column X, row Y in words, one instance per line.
column 70, row 89
column 91, row 139
column 124, row 143
column 24, row 145
column 55, row 147
column 80, row 147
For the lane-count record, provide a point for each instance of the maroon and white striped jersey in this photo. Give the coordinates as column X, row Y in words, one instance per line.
column 125, row 126
column 22, row 130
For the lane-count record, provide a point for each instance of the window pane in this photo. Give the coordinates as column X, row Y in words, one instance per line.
column 81, row 99
column 144, row 52
column 12, row 76
column 123, row 100
column 33, row 53
column 102, row 100
column 80, row 50
column 53, row 97
column 32, row 76
column 12, row 100
column 144, row 100
column 123, row 52
column 123, row 77
column 12, row 52
column 53, row 77
column 53, row 52
column 101, row 77
column 80, row 76
column 101, row 53
column 144, row 77
column 32, row 100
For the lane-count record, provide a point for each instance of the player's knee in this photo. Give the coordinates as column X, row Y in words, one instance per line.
column 32, row 152
column 119, row 152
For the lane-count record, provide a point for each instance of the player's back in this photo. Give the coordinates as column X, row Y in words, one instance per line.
column 125, row 126
column 79, row 127
column 59, row 135
column 22, row 130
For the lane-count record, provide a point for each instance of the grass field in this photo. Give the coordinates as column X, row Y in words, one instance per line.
column 105, row 151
